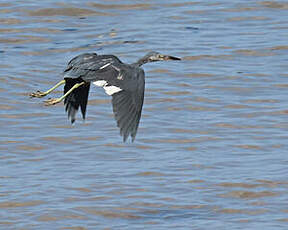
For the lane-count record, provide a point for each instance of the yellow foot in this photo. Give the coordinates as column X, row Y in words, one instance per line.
column 52, row 101
column 38, row 94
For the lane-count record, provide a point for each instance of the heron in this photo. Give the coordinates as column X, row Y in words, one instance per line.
column 124, row 82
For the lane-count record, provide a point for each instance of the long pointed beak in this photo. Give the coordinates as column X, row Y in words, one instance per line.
column 167, row 57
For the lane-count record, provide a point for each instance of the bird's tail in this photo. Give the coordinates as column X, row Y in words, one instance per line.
column 78, row 97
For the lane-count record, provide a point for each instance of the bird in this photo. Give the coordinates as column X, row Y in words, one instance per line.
column 124, row 82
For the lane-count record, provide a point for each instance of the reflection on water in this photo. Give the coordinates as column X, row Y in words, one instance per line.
column 211, row 147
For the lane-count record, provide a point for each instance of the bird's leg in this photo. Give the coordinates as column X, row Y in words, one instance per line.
column 42, row 94
column 53, row 101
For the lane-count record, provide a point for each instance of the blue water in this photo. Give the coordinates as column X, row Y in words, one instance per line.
column 211, row 148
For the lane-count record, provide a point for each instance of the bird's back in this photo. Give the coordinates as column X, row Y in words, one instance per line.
column 84, row 64
column 91, row 67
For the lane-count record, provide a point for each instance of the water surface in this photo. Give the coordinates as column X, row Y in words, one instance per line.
column 211, row 149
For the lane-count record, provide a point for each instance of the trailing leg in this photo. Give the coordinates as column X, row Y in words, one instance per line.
column 54, row 101
column 43, row 94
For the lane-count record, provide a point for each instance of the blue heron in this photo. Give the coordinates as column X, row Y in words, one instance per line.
column 124, row 82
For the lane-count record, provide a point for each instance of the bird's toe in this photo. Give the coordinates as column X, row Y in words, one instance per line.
column 51, row 101
column 38, row 94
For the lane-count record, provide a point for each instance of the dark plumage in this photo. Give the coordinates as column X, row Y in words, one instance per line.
column 124, row 82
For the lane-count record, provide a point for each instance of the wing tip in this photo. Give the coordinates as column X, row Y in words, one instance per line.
column 131, row 133
column 125, row 138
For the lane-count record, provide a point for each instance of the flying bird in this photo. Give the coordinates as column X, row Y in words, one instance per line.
column 124, row 82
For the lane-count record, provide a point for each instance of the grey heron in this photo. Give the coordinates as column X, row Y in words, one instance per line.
column 124, row 82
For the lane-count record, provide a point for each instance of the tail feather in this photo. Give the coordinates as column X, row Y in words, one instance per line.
column 78, row 97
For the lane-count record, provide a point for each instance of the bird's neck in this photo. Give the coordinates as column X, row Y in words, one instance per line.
column 140, row 62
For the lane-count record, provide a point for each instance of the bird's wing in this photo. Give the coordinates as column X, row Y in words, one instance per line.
column 78, row 97
column 127, row 107
column 126, row 85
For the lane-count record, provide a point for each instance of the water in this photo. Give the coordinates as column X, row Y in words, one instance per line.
column 211, row 149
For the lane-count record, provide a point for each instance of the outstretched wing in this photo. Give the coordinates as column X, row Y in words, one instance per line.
column 126, row 85
column 127, row 104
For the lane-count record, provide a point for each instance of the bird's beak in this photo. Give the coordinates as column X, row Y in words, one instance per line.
column 167, row 58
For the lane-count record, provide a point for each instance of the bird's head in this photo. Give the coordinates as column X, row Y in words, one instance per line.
column 155, row 56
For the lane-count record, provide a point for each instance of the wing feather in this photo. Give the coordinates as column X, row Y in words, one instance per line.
column 77, row 98
column 127, row 112
column 126, row 120
column 128, row 127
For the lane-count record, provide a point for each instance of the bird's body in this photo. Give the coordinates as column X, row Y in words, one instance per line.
column 124, row 82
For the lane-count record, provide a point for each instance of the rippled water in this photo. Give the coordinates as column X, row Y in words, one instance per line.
column 211, row 149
